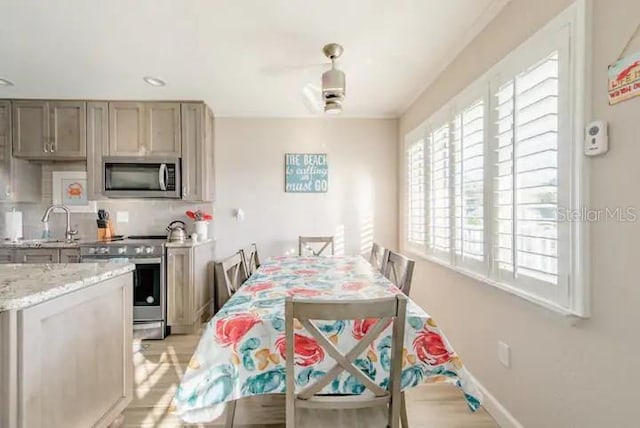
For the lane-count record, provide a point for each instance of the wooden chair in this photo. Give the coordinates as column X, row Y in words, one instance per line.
column 386, row 310
column 376, row 258
column 251, row 259
column 304, row 243
column 232, row 272
column 398, row 269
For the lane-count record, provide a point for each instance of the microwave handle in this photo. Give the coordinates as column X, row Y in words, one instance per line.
column 162, row 176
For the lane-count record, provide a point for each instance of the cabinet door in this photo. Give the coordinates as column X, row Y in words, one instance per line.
column 6, row 255
column 197, row 152
column 70, row 255
column 193, row 140
column 162, row 121
column 37, row 255
column 31, row 129
column 68, row 129
column 5, row 151
column 20, row 179
column 97, row 147
column 126, row 129
column 179, row 288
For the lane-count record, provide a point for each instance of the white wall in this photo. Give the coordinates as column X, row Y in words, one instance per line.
column 565, row 373
column 361, row 204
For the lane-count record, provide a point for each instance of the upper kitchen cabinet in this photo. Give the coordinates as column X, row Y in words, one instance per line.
column 20, row 180
column 49, row 130
column 198, row 182
column 144, row 129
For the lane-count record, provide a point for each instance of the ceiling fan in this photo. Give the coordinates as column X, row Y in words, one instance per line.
column 333, row 81
column 330, row 97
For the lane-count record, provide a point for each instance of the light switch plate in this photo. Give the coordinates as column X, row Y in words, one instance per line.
column 122, row 216
column 504, row 354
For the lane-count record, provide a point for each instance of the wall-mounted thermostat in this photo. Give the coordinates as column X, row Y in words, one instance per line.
column 596, row 140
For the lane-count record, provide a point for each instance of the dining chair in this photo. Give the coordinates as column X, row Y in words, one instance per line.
column 386, row 310
column 376, row 258
column 398, row 269
column 251, row 259
column 232, row 272
column 306, row 243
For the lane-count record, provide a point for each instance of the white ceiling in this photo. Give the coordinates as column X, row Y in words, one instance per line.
column 244, row 57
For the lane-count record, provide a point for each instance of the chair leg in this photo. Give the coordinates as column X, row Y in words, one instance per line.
column 403, row 411
column 231, row 413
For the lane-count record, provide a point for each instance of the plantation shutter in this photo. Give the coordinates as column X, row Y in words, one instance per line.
column 468, row 140
column 439, row 189
column 416, row 193
column 526, row 186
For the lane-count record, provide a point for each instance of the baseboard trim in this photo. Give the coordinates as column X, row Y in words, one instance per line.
column 497, row 411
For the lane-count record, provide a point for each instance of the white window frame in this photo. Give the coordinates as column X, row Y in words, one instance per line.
column 574, row 295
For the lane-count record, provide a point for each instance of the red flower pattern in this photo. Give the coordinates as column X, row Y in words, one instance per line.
column 361, row 327
column 230, row 330
column 307, row 352
column 304, row 292
column 305, row 272
column 353, row 286
column 259, row 286
column 430, row 348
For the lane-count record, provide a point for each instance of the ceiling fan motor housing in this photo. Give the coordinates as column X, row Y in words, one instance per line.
column 333, row 85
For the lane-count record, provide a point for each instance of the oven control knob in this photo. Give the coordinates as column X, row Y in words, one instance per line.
column 150, row 299
column 92, row 250
column 148, row 250
column 122, row 250
column 104, row 250
column 139, row 250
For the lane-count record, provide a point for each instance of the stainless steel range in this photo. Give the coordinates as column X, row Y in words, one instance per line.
column 149, row 289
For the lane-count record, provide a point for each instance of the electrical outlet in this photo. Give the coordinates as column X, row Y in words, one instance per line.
column 122, row 216
column 504, row 354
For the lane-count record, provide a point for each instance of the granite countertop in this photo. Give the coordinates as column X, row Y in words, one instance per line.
column 24, row 285
column 188, row 243
column 37, row 243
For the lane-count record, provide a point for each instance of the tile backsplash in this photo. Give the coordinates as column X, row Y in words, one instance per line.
column 146, row 216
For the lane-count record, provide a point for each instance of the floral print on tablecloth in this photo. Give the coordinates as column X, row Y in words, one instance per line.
column 242, row 349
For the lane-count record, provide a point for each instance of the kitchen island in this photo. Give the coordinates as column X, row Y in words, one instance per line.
column 65, row 344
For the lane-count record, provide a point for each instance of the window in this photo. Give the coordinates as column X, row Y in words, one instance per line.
column 498, row 163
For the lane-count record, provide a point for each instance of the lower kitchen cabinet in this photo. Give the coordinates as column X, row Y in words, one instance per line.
column 190, row 286
column 70, row 255
column 39, row 255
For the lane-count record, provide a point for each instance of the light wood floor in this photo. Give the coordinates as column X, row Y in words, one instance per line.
column 159, row 366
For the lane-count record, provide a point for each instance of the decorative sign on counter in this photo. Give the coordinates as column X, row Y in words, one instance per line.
column 306, row 173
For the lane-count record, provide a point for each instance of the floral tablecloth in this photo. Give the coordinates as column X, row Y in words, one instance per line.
column 242, row 350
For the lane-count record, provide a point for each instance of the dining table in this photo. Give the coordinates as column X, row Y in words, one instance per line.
column 242, row 349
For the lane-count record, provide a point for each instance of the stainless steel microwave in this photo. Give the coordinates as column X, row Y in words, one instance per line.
column 146, row 177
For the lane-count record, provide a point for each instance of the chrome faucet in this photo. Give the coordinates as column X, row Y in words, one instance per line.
column 69, row 233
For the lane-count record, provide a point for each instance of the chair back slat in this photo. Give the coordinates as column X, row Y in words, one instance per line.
column 233, row 272
column 322, row 244
column 314, row 309
column 376, row 258
column 251, row 259
column 399, row 270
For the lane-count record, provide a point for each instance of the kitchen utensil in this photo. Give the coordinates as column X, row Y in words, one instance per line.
column 176, row 231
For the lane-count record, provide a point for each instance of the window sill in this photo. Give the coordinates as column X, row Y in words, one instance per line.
column 551, row 306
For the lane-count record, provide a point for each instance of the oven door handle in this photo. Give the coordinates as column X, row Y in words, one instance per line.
column 148, row 261
column 162, row 176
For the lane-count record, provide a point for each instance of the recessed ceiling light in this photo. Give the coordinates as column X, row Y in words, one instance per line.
column 154, row 81
column 5, row 82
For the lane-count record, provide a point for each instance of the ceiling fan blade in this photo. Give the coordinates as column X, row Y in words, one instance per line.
column 312, row 98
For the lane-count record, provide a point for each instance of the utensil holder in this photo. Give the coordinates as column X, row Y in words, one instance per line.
column 202, row 229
